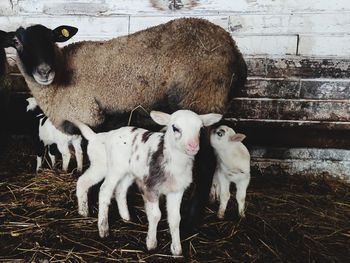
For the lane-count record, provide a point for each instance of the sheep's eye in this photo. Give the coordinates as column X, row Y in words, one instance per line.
column 220, row 133
column 175, row 129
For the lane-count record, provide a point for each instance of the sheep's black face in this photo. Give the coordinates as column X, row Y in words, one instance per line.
column 36, row 50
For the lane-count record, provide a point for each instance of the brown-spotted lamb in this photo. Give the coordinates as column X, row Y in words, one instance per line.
column 161, row 163
column 187, row 63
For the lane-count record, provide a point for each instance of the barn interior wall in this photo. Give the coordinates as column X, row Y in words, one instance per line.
column 297, row 99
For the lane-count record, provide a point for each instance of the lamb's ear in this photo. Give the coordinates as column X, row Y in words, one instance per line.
column 31, row 104
column 238, row 137
column 160, row 117
column 7, row 39
column 210, row 119
column 63, row 33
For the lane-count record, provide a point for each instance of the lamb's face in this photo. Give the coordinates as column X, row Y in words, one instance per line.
column 183, row 128
column 223, row 135
column 220, row 136
column 36, row 50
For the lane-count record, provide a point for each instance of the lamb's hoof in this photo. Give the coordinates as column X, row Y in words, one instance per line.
column 83, row 211
column 176, row 249
column 242, row 214
column 214, row 194
column 221, row 214
column 125, row 217
column 151, row 243
column 103, row 232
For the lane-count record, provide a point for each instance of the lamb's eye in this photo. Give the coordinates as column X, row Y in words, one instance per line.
column 220, row 133
column 175, row 129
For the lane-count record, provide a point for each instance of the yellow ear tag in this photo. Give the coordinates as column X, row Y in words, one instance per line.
column 65, row 32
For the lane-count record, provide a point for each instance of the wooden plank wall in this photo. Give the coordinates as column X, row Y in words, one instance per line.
column 297, row 99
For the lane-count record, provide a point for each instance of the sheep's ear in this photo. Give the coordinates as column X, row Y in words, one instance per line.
column 238, row 137
column 160, row 117
column 63, row 33
column 210, row 119
column 7, row 39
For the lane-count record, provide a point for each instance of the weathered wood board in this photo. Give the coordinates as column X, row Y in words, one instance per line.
column 325, row 89
column 298, row 67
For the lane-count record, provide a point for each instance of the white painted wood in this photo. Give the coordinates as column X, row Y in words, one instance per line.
column 195, row 6
column 324, row 45
column 97, row 27
column 266, row 44
column 5, row 7
column 316, row 23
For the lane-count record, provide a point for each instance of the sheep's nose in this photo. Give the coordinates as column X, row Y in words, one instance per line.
column 44, row 70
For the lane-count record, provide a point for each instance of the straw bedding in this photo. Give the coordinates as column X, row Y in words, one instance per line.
column 288, row 219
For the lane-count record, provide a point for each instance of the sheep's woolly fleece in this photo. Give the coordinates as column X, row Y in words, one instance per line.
column 190, row 63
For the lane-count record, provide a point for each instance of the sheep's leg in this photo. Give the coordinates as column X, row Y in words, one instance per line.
column 215, row 188
column 224, row 194
column 121, row 196
column 153, row 217
column 174, row 218
column 64, row 149
column 94, row 174
column 52, row 155
column 241, row 192
column 104, row 200
column 78, row 153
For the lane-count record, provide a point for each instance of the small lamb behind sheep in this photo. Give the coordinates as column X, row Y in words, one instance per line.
column 233, row 166
column 49, row 135
column 161, row 163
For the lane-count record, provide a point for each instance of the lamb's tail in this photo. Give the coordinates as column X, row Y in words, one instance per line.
column 85, row 130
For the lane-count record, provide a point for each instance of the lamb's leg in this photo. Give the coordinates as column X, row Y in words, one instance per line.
column 40, row 150
column 104, row 200
column 121, row 196
column 94, row 174
column 52, row 155
column 241, row 192
column 153, row 217
column 224, row 194
column 64, row 150
column 215, row 188
column 78, row 153
column 174, row 218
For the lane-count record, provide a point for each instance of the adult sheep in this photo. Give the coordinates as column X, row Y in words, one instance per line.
column 186, row 63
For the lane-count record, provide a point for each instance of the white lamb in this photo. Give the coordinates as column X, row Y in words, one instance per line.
column 49, row 135
column 233, row 165
column 161, row 163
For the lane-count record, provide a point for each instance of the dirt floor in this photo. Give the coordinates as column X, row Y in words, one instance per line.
column 288, row 219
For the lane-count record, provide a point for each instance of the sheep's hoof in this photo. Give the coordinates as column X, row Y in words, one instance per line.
column 151, row 243
column 176, row 249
